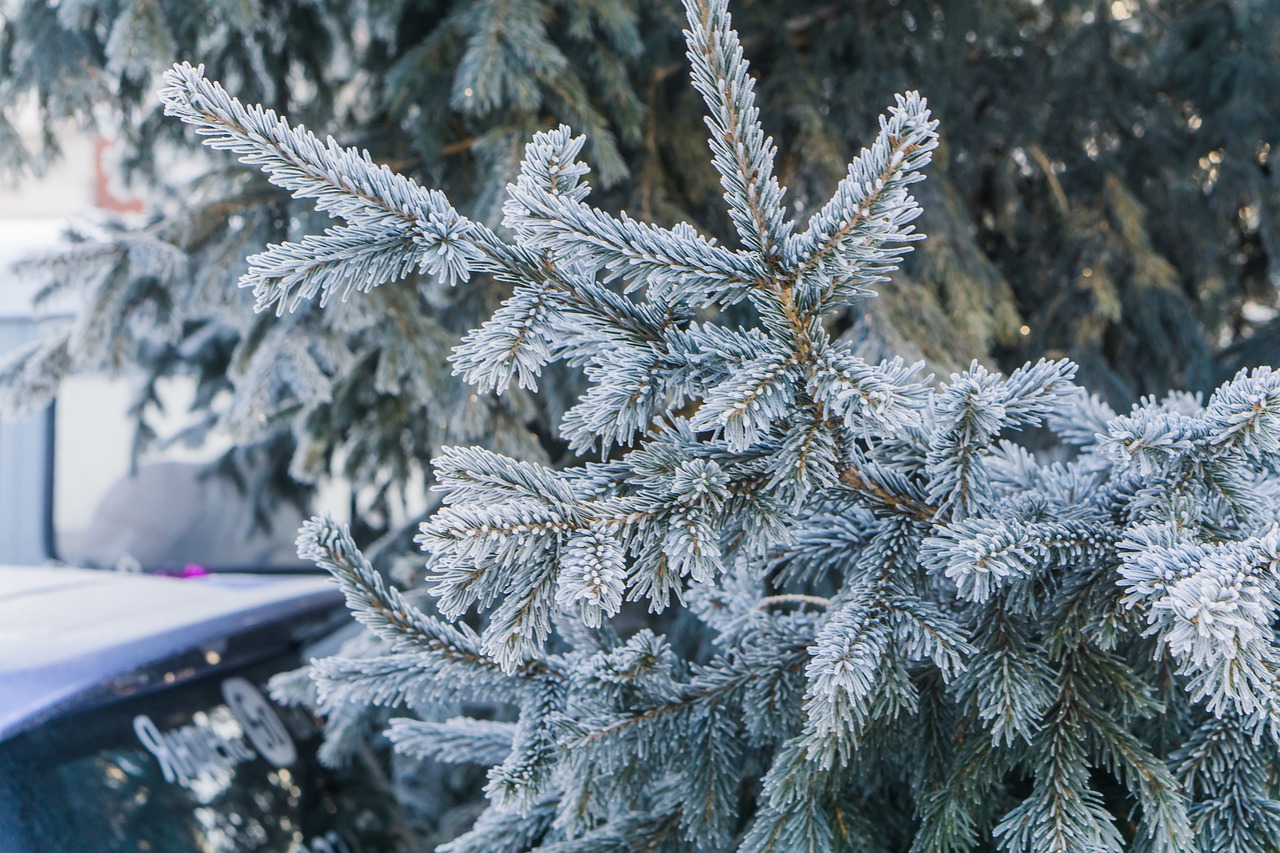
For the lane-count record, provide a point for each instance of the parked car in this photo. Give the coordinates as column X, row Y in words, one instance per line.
column 134, row 715
column 71, row 487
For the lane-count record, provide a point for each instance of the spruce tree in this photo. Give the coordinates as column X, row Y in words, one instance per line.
column 1105, row 192
column 879, row 623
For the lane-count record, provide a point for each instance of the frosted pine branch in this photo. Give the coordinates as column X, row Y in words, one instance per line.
column 742, row 154
column 860, row 234
column 890, row 606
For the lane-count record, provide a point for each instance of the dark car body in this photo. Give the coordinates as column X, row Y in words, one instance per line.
column 134, row 715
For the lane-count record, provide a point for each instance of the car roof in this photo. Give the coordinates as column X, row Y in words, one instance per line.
column 66, row 632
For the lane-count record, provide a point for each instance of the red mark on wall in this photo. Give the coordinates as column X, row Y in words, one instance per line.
column 103, row 197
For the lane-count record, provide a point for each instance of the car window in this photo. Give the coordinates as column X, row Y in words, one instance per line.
column 213, row 765
column 166, row 511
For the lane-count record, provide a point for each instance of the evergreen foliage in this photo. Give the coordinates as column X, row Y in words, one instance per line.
column 894, row 628
column 1105, row 184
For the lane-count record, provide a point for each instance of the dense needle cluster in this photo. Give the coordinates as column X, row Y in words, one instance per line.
column 910, row 632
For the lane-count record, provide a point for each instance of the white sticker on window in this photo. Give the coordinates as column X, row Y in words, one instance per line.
column 186, row 752
column 221, row 738
column 261, row 723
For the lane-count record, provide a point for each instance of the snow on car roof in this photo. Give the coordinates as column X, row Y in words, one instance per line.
column 66, row 631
